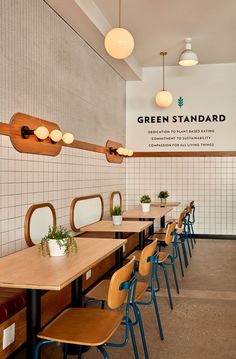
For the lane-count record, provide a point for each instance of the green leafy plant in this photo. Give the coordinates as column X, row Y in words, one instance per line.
column 116, row 211
column 145, row 199
column 63, row 238
column 163, row 194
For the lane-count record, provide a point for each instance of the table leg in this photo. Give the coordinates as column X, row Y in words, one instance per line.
column 76, row 302
column 119, row 252
column 33, row 318
column 141, row 240
column 151, row 228
column 162, row 222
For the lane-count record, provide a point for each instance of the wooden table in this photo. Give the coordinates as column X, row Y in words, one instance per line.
column 126, row 226
column 34, row 272
column 155, row 212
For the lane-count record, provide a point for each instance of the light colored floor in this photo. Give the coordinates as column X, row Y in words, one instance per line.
column 203, row 322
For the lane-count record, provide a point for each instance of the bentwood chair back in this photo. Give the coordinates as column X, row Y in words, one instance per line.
column 117, row 297
column 181, row 218
column 145, row 266
column 169, row 232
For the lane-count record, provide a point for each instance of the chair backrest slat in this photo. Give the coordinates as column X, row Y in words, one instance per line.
column 116, row 296
column 181, row 217
column 169, row 232
column 145, row 266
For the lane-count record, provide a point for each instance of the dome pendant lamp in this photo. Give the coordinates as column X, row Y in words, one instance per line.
column 188, row 57
column 119, row 43
column 163, row 98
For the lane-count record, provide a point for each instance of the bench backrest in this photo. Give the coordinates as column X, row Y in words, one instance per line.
column 86, row 210
column 37, row 221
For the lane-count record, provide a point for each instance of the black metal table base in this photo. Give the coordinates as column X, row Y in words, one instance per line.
column 119, row 252
column 33, row 318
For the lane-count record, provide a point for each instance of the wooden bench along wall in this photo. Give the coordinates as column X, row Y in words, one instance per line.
column 54, row 302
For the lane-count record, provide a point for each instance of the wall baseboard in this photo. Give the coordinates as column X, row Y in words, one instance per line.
column 215, row 236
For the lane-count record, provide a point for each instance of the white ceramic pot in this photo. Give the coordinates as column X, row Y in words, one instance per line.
column 117, row 220
column 54, row 249
column 163, row 200
column 145, row 207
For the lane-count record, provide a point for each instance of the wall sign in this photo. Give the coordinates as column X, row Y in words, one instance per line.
column 202, row 117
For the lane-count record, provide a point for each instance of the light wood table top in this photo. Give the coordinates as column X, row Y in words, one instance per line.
column 155, row 212
column 31, row 270
column 108, row 226
column 167, row 204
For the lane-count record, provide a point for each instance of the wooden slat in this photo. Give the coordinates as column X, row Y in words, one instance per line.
column 5, row 129
column 186, row 154
column 54, row 273
column 86, row 146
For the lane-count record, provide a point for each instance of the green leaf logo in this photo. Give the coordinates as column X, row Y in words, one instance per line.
column 180, row 102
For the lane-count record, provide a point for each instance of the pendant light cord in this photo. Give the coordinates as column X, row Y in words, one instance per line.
column 163, row 73
column 119, row 13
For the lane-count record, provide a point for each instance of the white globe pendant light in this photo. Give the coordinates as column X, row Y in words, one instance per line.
column 188, row 57
column 163, row 98
column 119, row 43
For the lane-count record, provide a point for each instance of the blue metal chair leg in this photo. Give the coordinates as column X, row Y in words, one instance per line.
column 131, row 329
column 39, row 345
column 167, row 285
column 104, row 352
column 180, row 261
column 139, row 320
column 157, row 281
column 174, row 272
column 189, row 250
column 194, row 239
column 157, row 315
column 184, row 253
column 80, row 352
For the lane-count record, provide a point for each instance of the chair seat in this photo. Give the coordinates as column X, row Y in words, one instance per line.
column 100, row 291
column 163, row 256
column 83, row 326
column 137, row 255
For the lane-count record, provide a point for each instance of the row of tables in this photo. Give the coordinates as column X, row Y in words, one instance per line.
column 29, row 270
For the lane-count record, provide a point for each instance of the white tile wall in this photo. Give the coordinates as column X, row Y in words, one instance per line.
column 210, row 181
column 48, row 71
column 27, row 179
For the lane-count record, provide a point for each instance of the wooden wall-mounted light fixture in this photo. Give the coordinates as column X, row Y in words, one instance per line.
column 115, row 152
column 30, row 134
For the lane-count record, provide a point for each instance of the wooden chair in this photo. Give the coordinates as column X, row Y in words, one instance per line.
column 147, row 259
column 94, row 327
column 182, row 237
column 190, row 222
column 165, row 258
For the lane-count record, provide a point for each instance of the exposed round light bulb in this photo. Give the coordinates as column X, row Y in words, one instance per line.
column 130, row 153
column 120, row 150
column 119, row 43
column 68, row 138
column 125, row 153
column 55, row 135
column 164, row 98
column 41, row 132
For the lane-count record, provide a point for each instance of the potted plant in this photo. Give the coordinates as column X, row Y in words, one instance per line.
column 57, row 242
column 145, row 202
column 116, row 215
column 163, row 195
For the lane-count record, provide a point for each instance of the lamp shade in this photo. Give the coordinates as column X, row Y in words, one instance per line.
column 164, row 98
column 119, row 43
column 188, row 57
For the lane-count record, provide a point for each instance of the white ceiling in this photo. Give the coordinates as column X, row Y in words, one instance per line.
column 156, row 25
